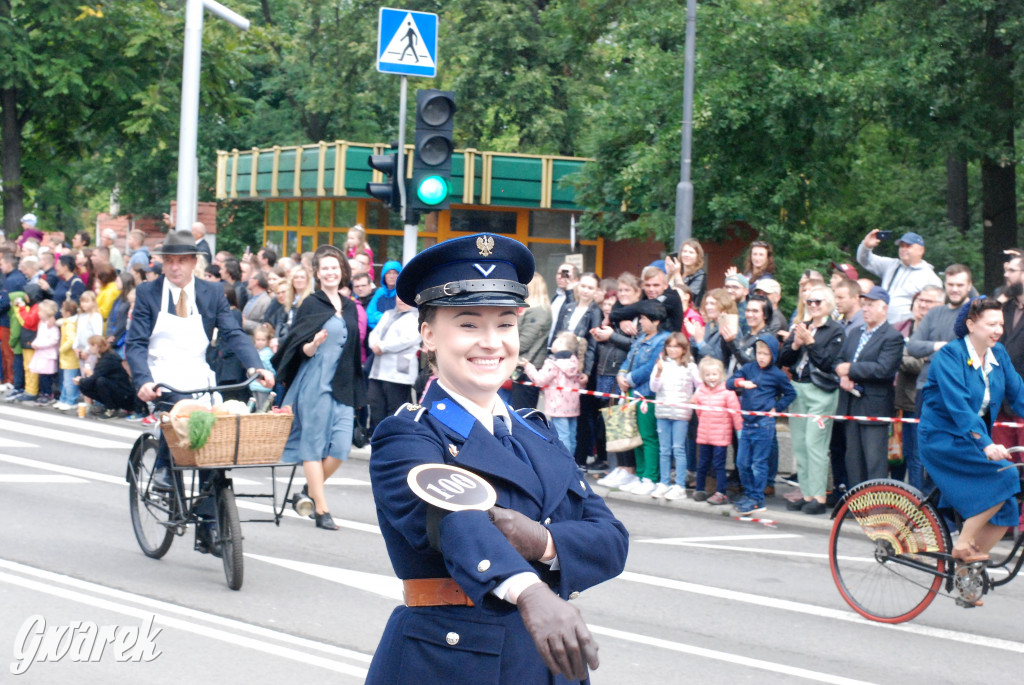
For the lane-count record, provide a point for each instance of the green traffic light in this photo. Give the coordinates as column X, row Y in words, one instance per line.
column 432, row 190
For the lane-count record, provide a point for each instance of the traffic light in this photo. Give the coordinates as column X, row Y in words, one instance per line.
column 432, row 158
column 387, row 192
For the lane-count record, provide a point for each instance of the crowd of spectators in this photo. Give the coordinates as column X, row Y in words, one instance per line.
column 858, row 343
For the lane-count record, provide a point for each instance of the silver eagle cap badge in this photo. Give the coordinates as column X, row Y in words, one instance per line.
column 485, row 244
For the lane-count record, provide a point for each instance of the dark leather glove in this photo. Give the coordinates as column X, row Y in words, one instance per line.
column 558, row 631
column 528, row 537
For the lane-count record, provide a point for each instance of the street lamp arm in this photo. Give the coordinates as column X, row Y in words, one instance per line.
column 227, row 15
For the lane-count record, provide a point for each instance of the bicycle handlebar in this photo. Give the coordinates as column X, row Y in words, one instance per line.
column 215, row 388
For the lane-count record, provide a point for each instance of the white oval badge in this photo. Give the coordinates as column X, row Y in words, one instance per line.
column 451, row 488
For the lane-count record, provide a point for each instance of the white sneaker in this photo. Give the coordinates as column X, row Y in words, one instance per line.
column 676, row 492
column 628, row 482
column 4, row 387
column 60, row 406
column 612, row 478
column 660, row 490
column 645, row 488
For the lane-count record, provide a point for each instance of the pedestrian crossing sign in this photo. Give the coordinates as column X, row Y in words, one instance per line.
column 407, row 43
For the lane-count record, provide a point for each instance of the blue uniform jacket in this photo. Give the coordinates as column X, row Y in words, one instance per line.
column 953, row 437
column 494, row 646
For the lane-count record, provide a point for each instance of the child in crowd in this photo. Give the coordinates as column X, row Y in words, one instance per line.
column 261, row 338
column 561, row 374
column 68, row 359
column 714, row 427
column 109, row 383
column 762, row 387
column 89, row 323
column 27, row 311
column 17, row 366
column 45, row 348
column 674, row 381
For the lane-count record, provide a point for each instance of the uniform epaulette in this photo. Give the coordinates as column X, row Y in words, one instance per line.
column 535, row 414
column 410, row 407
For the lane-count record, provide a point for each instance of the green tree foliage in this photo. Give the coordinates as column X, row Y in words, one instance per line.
column 90, row 99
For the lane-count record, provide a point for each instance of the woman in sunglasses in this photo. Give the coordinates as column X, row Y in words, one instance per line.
column 810, row 352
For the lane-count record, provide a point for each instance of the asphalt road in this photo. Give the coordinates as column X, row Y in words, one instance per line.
column 705, row 597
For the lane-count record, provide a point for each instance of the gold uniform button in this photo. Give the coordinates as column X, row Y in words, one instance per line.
column 547, row 521
column 452, row 638
column 574, row 594
column 483, row 566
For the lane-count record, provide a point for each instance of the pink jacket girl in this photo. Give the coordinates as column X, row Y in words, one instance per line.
column 716, row 427
column 564, row 373
column 46, row 346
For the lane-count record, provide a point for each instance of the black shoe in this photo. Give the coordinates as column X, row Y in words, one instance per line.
column 814, row 507
column 163, row 480
column 797, row 505
column 597, row 467
column 325, row 521
column 205, row 543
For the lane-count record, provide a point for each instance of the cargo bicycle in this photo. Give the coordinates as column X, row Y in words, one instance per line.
column 203, row 492
column 890, row 553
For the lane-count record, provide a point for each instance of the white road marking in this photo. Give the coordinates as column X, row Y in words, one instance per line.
column 719, row 538
column 74, row 589
column 64, row 436
column 728, row 657
column 822, row 612
column 299, row 481
column 73, row 424
column 241, row 503
column 388, row 586
column 385, row 586
column 67, row 470
column 38, row 478
column 7, row 442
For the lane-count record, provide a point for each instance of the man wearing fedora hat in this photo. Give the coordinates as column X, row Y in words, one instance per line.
column 172, row 325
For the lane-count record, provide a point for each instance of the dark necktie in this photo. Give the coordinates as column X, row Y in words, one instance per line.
column 502, row 433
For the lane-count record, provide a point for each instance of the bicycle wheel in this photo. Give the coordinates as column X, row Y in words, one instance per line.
column 882, row 549
column 229, row 537
column 151, row 510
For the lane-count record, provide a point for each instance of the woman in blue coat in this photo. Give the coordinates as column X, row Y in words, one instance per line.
column 967, row 383
column 486, row 592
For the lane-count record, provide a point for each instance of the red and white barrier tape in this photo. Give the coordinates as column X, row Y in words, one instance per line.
column 820, row 418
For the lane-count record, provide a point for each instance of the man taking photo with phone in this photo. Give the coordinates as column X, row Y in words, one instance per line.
column 902, row 278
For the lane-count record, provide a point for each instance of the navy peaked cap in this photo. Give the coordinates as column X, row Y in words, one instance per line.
column 483, row 269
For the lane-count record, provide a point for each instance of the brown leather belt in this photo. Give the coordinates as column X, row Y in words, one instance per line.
column 433, row 592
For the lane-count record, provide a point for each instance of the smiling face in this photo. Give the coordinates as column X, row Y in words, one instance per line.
column 688, row 255
column 986, row 330
column 655, row 286
column 477, row 349
column 329, row 273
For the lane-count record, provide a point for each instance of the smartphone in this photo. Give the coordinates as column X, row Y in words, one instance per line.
column 884, row 235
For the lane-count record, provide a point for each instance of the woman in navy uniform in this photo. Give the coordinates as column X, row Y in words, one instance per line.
column 968, row 380
column 486, row 591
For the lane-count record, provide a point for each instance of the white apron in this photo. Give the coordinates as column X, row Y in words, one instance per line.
column 177, row 349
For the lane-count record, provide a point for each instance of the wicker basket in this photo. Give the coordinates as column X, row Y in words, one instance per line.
column 234, row 440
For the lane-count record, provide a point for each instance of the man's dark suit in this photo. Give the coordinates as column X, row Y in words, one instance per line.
column 867, row 452
column 204, row 249
column 215, row 311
